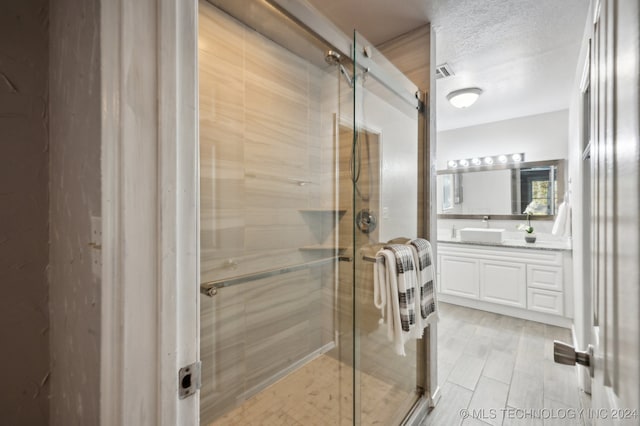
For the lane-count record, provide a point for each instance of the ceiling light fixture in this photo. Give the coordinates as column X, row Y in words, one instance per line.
column 464, row 98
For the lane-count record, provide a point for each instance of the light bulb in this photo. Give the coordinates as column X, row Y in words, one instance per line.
column 488, row 160
column 452, row 164
column 464, row 163
column 516, row 157
column 502, row 159
column 476, row 161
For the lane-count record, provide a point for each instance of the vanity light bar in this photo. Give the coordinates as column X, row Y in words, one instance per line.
column 486, row 160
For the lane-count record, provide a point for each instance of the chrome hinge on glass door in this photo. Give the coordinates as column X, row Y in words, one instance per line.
column 189, row 380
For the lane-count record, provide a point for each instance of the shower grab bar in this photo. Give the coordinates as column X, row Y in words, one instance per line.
column 370, row 259
column 210, row 288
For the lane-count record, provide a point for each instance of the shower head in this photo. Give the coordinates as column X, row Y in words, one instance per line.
column 333, row 58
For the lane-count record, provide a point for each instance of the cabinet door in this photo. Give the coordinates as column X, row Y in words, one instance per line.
column 504, row 283
column 459, row 276
column 549, row 302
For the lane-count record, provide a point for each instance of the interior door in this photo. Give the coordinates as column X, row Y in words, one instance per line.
column 615, row 225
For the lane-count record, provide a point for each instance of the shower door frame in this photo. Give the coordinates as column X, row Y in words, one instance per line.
column 150, row 245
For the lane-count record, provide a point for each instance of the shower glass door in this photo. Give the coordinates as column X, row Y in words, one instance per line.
column 307, row 161
column 383, row 208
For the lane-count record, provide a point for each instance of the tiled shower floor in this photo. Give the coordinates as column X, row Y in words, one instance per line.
column 312, row 395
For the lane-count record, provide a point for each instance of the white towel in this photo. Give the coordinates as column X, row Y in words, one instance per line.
column 562, row 224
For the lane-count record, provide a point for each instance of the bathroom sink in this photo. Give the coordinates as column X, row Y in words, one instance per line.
column 481, row 235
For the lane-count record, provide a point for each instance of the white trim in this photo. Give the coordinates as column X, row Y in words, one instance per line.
column 585, row 78
column 149, row 208
column 582, row 373
column 178, row 162
column 525, row 314
column 111, row 292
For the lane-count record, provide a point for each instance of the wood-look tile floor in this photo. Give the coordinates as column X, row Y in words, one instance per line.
column 488, row 363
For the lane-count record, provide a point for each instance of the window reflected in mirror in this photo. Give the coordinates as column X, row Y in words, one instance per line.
column 538, row 190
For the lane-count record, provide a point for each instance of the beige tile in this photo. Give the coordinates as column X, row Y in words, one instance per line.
column 467, row 371
column 558, row 414
column 561, row 383
column 519, row 417
column 448, row 410
column 489, row 397
column 471, row 421
column 526, row 390
column 499, row 366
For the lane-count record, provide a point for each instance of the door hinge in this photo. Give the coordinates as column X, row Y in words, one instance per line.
column 189, row 380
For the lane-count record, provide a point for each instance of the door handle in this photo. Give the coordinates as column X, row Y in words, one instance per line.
column 564, row 353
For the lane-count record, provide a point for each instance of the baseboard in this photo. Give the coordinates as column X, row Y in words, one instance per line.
column 507, row 310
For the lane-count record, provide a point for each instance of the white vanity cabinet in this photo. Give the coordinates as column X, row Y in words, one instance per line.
column 461, row 273
column 522, row 282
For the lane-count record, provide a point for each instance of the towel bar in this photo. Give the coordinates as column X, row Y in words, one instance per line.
column 372, row 259
column 210, row 288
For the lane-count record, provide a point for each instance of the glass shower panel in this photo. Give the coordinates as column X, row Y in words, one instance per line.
column 383, row 209
column 308, row 165
column 276, row 328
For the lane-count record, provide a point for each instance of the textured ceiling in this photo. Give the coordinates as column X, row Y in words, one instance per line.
column 521, row 53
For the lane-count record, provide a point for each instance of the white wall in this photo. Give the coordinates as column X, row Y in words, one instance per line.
column 540, row 137
column 399, row 180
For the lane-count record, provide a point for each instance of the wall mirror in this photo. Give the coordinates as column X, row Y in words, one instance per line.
column 502, row 191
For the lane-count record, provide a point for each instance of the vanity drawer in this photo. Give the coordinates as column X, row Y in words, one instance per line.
column 545, row 277
column 549, row 302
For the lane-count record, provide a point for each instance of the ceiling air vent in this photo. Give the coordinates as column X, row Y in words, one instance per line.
column 444, row 71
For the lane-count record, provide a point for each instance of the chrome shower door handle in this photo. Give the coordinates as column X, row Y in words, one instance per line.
column 563, row 353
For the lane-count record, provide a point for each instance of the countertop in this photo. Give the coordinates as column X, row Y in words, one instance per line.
column 543, row 242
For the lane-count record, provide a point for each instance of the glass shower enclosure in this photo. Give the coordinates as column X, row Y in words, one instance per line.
column 308, row 163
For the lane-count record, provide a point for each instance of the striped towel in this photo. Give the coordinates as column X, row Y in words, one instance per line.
column 395, row 284
column 427, row 302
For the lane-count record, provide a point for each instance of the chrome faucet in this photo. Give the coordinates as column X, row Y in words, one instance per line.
column 485, row 220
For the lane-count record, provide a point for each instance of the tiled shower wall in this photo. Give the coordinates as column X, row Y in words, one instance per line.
column 267, row 200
